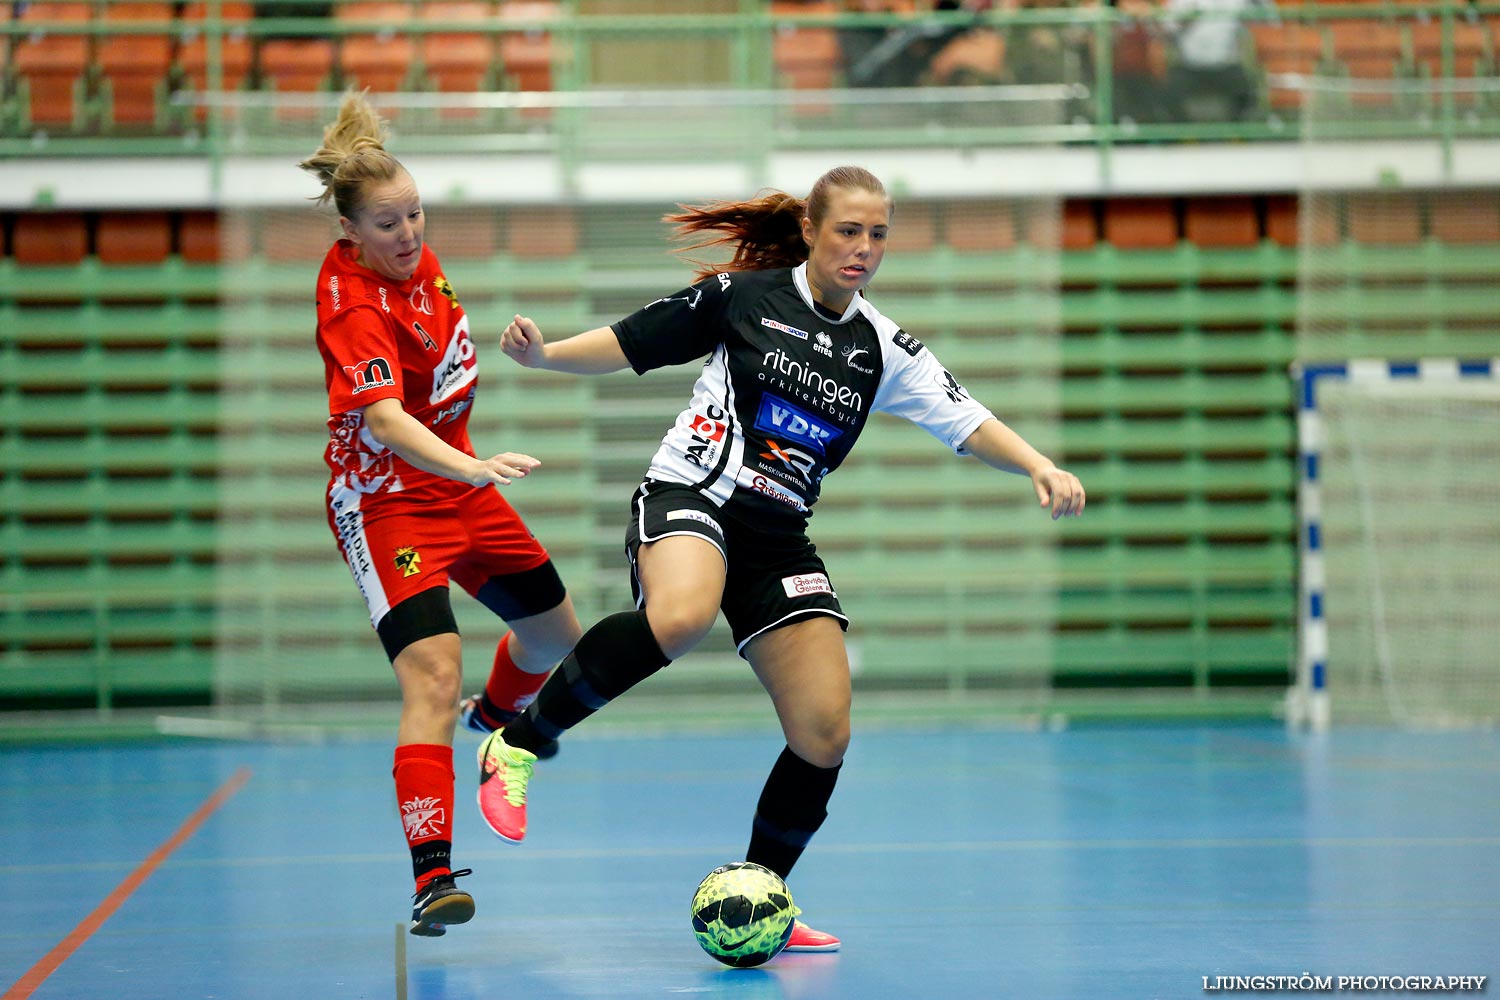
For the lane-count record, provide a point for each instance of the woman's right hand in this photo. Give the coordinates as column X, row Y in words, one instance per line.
column 522, row 341
column 502, row 468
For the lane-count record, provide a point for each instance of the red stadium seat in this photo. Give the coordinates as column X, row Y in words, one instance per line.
column 806, row 58
column 292, row 65
column 198, row 238
column 295, row 235
column 1140, row 223
column 135, row 67
column 1281, row 219
column 1384, row 219
column 1473, row 54
column 457, row 63
column 52, row 67
column 381, row 61
column 541, row 232
column 123, row 238
column 1286, row 48
column 1221, row 222
column 234, row 47
column 44, row 239
column 1465, row 216
column 980, row 225
column 1072, row 226
column 5, row 19
column 526, row 56
column 914, row 227
column 462, row 233
column 1284, row 221
column 1369, row 50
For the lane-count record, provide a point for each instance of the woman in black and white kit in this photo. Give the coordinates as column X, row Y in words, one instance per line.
column 797, row 360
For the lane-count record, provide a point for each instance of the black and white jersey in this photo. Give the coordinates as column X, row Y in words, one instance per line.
column 787, row 387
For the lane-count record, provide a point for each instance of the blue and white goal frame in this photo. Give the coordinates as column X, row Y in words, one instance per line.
column 1308, row 703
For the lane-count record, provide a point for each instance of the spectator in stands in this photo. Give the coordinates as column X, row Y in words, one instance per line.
column 411, row 504
column 797, row 360
column 1139, row 84
column 1209, row 79
column 1061, row 52
column 909, row 55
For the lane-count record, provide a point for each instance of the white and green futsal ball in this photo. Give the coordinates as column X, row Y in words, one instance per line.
column 742, row 914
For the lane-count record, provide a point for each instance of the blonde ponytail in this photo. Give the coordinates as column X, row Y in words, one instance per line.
column 352, row 156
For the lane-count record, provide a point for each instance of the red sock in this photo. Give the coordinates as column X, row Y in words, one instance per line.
column 424, row 792
column 510, row 689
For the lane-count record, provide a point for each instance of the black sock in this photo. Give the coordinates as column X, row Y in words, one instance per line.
column 612, row 657
column 493, row 715
column 792, row 806
column 430, row 856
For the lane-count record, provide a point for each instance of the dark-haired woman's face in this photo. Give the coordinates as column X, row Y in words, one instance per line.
column 389, row 228
column 846, row 249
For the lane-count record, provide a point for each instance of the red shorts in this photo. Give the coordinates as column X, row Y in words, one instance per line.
column 396, row 547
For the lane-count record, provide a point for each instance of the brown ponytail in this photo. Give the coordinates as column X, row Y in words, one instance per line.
column 352, row 155
column 766, row 233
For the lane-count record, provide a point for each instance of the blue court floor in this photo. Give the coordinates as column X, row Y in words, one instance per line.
column 1114, row 862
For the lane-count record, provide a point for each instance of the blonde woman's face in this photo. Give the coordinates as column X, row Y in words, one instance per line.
column 845, row 251
column 388, row 231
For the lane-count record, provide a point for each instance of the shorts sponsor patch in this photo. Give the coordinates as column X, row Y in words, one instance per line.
column 807, row 583
column 688, row 514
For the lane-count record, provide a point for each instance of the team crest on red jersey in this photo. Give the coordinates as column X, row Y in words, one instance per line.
column 445, row 289
column 420, row 299
column 408, row 561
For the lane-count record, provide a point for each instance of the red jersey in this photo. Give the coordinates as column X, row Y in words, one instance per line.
column 407, row 340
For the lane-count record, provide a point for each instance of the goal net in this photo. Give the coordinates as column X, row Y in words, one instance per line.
column 568, row 230
column 1401, row 556
column 1399, row 553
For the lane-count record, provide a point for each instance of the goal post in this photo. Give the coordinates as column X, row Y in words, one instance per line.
column 1399, row 543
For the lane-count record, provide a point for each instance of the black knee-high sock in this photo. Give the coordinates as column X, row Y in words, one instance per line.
column 612, row 657
column 792, row 806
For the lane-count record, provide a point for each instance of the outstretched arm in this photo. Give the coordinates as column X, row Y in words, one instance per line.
column 392, row 426
column 596, row 352
column 998, row 446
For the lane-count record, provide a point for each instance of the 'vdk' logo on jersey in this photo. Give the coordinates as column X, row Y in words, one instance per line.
column 777, row 416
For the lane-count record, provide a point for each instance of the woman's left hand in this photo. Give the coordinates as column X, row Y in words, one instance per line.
column 1060, row 490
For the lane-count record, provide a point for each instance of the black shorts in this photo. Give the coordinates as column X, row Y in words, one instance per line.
column 773, row 574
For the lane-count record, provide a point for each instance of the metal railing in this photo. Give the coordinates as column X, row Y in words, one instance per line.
column 1111, row 87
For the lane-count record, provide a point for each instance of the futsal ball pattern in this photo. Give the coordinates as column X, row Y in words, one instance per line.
column 742, row 914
